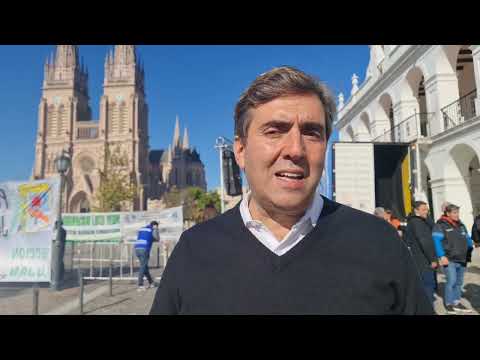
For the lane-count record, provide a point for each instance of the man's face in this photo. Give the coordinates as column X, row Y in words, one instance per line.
column 422, row 211
column 284, row 152
column 454, row 215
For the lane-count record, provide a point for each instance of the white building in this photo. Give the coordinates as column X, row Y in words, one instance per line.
column 425, row 95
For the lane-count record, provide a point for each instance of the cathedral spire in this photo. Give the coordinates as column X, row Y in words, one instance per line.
column 125, row 54
column 64, row 65
column 122, row 65
column 176, row 134
column 66, row 56
column 186, row 144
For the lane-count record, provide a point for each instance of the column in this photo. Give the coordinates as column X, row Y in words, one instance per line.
column 441, row 90
column 102, row 122
column 476, row 69
column 403, row 110
column 379, row 128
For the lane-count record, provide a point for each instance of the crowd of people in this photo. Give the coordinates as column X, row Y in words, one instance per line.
column 445, row 245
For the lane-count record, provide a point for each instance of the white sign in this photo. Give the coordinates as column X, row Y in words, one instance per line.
column 170, row 223
column 28, row 211
column 354, row 174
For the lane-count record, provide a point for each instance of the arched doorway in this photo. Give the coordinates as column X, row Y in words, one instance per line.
column 416, row 85
column 474, row 172
column 422, row 105
column 463, row 109
column 465, row 72
column 386, row 105
column 462, row 169
column 80, row 203
column 466, row 83
column 365, row 127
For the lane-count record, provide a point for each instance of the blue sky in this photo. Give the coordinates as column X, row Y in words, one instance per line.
column 199, row 83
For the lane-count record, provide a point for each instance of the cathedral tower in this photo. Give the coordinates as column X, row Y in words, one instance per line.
column 64, row 101
column 124, row 112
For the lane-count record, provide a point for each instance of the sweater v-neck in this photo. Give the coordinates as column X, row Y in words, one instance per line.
column 278, row 263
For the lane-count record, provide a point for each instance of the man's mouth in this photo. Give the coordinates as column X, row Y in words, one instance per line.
column 290, row 175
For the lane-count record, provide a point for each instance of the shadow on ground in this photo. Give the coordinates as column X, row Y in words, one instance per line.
column 106, row 306
column 472, row 294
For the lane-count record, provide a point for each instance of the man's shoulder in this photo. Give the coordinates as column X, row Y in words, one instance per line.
column 358, row 234
column 416, row 220
column 216, row 229
column 342, row 213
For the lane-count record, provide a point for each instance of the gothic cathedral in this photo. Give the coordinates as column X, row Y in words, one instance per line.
column 65, row 124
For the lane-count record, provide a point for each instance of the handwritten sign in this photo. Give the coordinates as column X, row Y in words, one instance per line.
column 28, row 211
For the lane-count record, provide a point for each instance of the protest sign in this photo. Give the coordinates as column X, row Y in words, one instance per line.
column 28, row 211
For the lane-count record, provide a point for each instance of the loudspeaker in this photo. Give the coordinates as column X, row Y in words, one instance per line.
column 231, row 174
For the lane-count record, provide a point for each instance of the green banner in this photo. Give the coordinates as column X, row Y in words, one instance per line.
column 93, row 227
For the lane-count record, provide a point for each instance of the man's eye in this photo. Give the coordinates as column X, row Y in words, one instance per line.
column 313, row 133
column 272, row 132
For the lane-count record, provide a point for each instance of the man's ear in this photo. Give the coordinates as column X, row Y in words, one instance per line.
column 239, row 150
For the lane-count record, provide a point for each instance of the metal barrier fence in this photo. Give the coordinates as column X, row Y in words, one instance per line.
column 94, row 259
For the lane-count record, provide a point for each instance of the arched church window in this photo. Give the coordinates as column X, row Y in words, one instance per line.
column 52, row 125
column 62, row 121
column 113, row 118
column 123, row 117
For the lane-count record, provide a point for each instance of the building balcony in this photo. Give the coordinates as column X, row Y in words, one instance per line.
column 460, row 111
column 87, row 131
column 409, row 130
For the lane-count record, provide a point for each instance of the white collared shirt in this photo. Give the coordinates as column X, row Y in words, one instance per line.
column 294, row 236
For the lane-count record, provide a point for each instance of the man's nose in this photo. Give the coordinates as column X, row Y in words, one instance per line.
column 294, row 146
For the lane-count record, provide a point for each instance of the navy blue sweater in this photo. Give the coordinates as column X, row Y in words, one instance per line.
column 350, row 263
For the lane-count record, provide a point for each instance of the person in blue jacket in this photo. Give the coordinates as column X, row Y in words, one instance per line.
column 146, row 236
column 453, row 247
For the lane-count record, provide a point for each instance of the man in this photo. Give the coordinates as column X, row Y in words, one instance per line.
column 476, row 231
column 209, row 212
column 392, row 219
column 379, row 212
column 58, row 251
column 418, row 236
column 452, row 245
column 146, row 236
column 443, row 206
column 283, row 250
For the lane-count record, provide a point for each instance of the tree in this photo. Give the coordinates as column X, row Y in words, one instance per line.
column 194, row 200
column 117, row 189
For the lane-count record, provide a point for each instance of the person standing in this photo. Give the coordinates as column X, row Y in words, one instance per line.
column 146, row 236
column 379, row 212
column 418, row 237
column 476, row 231
column 452, row 245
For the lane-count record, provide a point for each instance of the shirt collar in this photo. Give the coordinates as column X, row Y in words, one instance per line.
column 313, row 212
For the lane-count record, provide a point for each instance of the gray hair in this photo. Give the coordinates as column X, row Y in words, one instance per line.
column 276, row 83
column 451, row 207
column 379, row 211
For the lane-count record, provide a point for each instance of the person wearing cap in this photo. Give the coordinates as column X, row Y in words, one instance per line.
column 146, row 236
column 452, row 246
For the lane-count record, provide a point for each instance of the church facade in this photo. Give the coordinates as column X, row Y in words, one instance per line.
column 65, row 124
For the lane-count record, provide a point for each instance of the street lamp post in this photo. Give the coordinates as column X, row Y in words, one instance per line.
column 62, row 164
column 221, row 144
